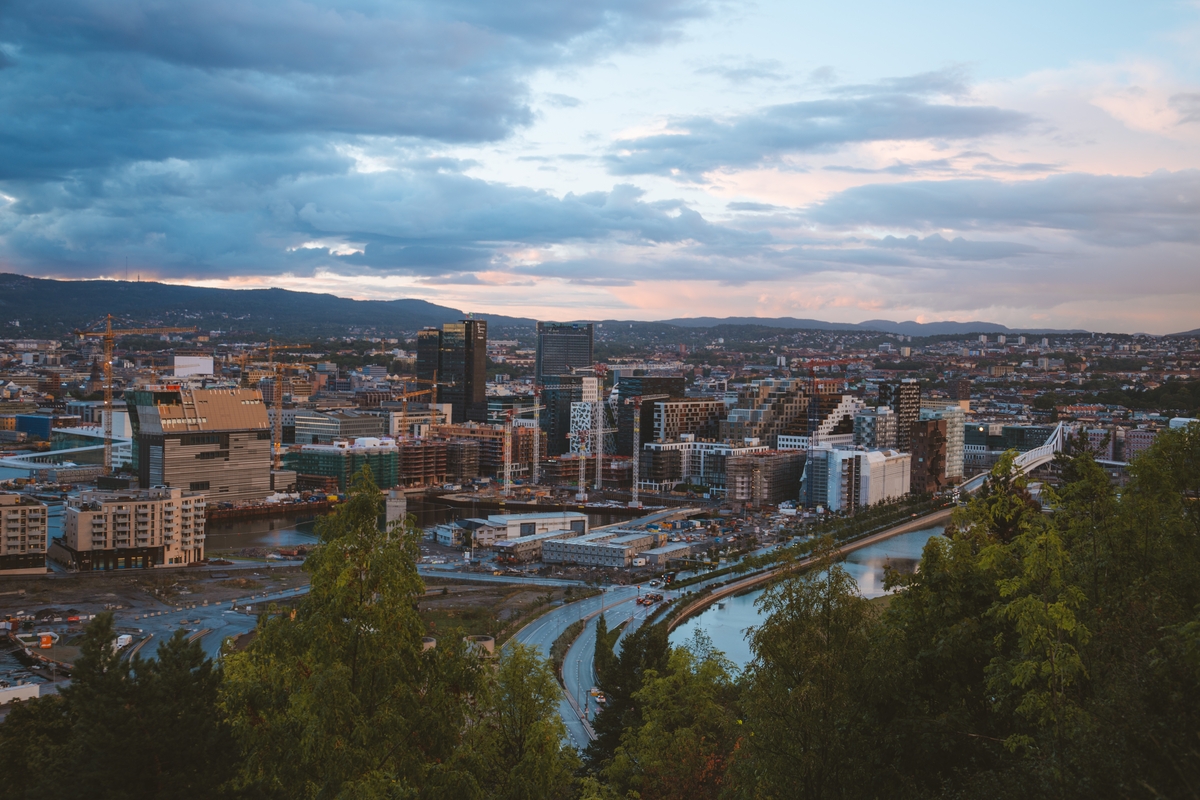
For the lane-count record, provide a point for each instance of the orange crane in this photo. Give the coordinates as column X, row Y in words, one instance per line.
column 109, row 337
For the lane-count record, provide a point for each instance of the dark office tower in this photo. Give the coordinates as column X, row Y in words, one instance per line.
column 561, row 348
column 429, row 348
column 673, row 387
column 904, row 398
column 558, row 393
column 462, row 373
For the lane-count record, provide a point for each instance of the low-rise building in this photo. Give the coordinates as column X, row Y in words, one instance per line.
column 528, row 548
column 134, row 529
column 610, row 548
column 22, row 535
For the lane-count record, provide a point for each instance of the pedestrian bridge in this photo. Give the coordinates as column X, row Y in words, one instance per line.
column 1027, row 462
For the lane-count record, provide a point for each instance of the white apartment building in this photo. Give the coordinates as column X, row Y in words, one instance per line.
column 850, row 479
column 129, row 529
column 22, row 535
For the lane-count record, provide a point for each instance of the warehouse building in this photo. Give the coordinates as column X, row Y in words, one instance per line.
column 524, row 549
column 612, row 548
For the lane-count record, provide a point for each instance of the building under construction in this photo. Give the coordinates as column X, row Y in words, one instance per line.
column 422, row 462
column 491, row 445
column 462, row 459
column 764, row 479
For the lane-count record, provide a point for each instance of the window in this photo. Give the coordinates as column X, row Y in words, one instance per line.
column 264, row 436
column 528, row 528
column 578, row 525
column 198, row 486
column 193, row 439
column 211, row 454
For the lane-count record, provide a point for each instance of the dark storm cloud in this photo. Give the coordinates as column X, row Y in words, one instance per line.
column 897, row 109
column 1105, row 209
column 99, row 83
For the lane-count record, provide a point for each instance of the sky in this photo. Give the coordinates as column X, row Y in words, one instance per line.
column 1031, row 164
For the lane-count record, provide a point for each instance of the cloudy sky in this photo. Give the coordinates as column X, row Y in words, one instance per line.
column 1029, row 163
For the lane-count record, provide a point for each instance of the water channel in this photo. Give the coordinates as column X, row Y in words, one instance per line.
column 727, row 625
column 233, row 535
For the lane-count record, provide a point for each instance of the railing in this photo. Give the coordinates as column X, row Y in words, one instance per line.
column 1030, row 459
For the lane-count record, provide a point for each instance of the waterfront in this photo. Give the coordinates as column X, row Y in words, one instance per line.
column 727, row 625
column 263, row 532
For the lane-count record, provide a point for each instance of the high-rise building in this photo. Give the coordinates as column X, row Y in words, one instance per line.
column 462, row 369
column 216, row 441
column 22, row 535
column 875, row 428
column 929, row 456
column 956, row 423
column 630, row 386
column 559, row 394
column 904, row 398
column 429, row 348
column 562, row 347
column 134, row 529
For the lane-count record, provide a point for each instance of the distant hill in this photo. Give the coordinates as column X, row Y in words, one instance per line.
column 909, row 328
column 46, row 307
column 51, row 307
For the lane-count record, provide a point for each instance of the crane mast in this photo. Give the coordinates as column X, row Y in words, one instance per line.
column 109, row 337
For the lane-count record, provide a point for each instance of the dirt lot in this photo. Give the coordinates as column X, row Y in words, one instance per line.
column 141, row 591
column 497, row 610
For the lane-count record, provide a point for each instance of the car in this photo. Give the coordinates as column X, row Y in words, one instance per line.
column 654, row 583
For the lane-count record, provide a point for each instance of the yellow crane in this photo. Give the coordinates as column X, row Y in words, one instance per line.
column 109, row 337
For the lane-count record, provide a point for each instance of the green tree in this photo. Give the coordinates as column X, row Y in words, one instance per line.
column 515, row 743
column 688, row 732
column 643, row 651
column 804, row 688
column 338, row 699
column 150, row 728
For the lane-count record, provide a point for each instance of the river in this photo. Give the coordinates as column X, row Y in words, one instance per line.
column 226, row 535
column 727, row 626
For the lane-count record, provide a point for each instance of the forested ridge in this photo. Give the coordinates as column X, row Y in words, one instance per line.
column 1047, row 646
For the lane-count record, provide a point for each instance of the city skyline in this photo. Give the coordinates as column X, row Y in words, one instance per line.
column 1033, row 167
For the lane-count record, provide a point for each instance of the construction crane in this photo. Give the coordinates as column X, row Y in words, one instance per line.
column 109, row 337
column 637, row 401
column 403, row 397
column 508, row 443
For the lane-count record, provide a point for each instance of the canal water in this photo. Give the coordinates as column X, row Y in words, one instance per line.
column 226, row 535
column 727, row 626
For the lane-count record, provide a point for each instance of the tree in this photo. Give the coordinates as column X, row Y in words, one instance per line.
column 643, row 651
column 682, row 747
column 516, row 740
column 338, row 698
column 150, row 728
column 804, row 687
